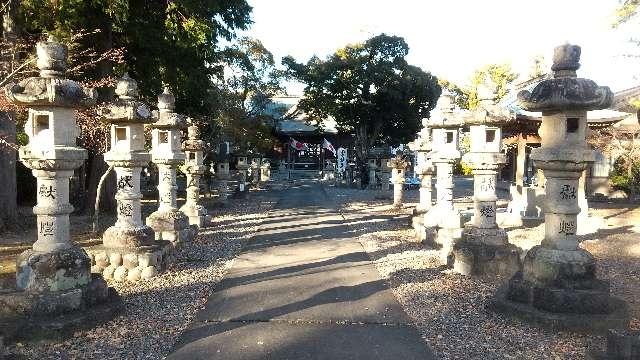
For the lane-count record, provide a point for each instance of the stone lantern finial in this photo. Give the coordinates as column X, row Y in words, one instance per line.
column 487, row 91
column 127, row 88
column 51, row 57
column 566, row 60
column 166, row 100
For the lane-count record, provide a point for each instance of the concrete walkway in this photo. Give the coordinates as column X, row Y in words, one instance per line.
column 302, row 289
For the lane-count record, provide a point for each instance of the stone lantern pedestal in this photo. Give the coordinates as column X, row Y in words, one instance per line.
column 484, row 248
column 129, row 251
column 444, row 220
column 558, row 286
column 194, row 169
column 54, row 289
column 398, row 164
column 168, row 222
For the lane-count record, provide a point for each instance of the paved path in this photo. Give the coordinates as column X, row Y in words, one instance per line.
column 302, row 289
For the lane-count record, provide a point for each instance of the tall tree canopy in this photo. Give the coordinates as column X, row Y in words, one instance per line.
column 167, row 42
column 244, row 90
column 369, row 89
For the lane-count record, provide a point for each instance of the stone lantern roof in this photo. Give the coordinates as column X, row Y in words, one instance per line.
column 50, row 88
column 193, row 142
column 167, row 117
column 126, row 108
column 565, row 91
column 488, row 111
column 444, row 115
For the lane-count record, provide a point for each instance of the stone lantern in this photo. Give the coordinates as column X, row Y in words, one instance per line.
column 484, row 248
column 255, row 171
column 443, row 219
column 424, row 169
column 194, row 169
column 398, row 165
column 558, row 284
column 223, row 173
column 54, row 276
column 243, row 169
column 385, row 175
column 168, row 222
column 373, row 167
column 265, row 170
column 129, row 250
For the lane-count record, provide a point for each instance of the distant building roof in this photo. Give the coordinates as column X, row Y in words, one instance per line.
column 290, row 120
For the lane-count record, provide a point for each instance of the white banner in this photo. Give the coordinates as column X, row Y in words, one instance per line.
column 342, row 159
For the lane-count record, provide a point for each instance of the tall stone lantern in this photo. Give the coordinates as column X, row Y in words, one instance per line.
column 194, row 169
column 424, row 169
column 129, row 250
column 484, row 248
column 443, row 220
column 558, row 284
column 243, row 169
column 398, row 164
column 168, row 222
column 53, row 276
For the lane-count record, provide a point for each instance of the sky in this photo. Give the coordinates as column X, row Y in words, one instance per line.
column 452, row 38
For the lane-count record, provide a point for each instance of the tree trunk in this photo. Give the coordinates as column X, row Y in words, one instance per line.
column 97, row 167
column 8, row 186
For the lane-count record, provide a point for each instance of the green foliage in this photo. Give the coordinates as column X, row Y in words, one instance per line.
column 467, row 98
column 626, row 176
column 369, row 89
column 244, row 91
column 627, row 10
column 172, row 43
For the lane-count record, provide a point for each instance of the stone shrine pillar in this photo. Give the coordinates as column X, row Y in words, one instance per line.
column 129, row 250
column 53, row 277
column 168, row 222
column 194, row 169
column 484, row 248
column 398, row 164
column 443, row 219
column 558, row 285
column 424, row 169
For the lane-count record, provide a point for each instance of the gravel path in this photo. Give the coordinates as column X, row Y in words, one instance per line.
column 448, row 308
column 157, row 311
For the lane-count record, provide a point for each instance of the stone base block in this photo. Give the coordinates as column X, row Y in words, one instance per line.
column 52, row 271
column 56, row 314
column 170, row 225
column 132, row 265
column 559, row 268
column 446, row 238
column 591, row 314
column 621, row 345
column 200, row 221
column 476, row 258
column 119, row 237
